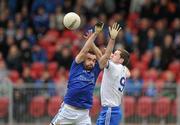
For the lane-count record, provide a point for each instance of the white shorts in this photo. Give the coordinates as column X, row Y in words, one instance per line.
column 70, row 115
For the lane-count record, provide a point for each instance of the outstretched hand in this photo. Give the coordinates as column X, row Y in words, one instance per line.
column 99, row 27
column 114, row 30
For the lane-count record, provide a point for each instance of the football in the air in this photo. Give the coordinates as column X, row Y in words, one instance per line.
column 72, row 21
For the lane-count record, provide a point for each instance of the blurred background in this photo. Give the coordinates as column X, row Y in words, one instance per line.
column 36, row 52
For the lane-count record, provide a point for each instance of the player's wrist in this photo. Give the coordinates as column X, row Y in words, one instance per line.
column 112, row 38
column 96, row 32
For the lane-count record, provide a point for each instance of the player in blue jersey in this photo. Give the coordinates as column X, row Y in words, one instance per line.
column 83, row 74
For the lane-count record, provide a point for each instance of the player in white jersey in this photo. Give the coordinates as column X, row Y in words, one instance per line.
column 112, row 87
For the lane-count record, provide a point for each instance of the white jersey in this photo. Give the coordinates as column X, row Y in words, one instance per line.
column 113, row 84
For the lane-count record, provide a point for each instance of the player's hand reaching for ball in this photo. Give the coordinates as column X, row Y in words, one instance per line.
column 98, row 27
column 114, row 30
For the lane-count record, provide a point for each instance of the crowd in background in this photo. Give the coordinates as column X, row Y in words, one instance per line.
column 36, row 48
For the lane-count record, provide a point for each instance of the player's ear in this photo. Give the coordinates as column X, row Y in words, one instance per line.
column 121, row 60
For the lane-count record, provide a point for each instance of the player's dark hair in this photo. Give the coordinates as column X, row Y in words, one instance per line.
column 91, row 52
column 125, row 55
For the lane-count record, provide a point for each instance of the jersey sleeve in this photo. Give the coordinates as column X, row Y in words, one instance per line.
column 110, row 65
column 75, row 66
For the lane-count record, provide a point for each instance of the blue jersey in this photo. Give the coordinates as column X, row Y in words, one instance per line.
column 81, row 85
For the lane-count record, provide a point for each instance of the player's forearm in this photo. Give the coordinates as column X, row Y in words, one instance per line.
column 106, row 56
column 97, row 51
column 89, row 43
column 109, row 48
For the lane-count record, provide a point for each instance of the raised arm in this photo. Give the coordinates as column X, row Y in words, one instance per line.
column 94, row 48
column 81, row 56
column 113, row 32
column 97, row 51
column 88, row 45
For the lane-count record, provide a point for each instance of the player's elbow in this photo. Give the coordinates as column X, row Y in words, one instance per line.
column 79, row 58
column 128, row 74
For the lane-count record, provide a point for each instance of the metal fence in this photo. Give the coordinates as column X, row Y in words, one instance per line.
column 152, row 105
column 30, row 104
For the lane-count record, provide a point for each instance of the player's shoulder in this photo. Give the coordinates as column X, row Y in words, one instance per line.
column 75, row 65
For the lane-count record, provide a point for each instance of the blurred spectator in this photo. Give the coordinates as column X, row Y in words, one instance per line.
column 7, row 44
column 14, row 59
column 68, row 5
column 169, row 89
column 2, row 36
column 161, row 31
column 30, row 36
column 156, row 61
column 163, row 12
column 52, row 21
column 144, row 25
column 64, row 57
column 146, row 9
column 40, row 21
column 19, row 22
column 177, row 47
column 134, row 84
column 151, row 89
column 38, row 54
column 80, row 7
column 3, row 68
column 98, row 7
column 120, row 42
column 176, row 27
column 26, row 75
column 49, row 5
column 137, row 5
column 150, row 39
column 10, row 28
column 109, row 6
column 132, row 42
column 122, row 5
column 5, row 83
column 128, row 36
column 167, row 51
column 24, row 14
column 26, row 54
column 19, row 36
column 59, row 18
column 4, row 18
column 89, row 4
column 12, row 6
column 2, row 40
column 47, row 82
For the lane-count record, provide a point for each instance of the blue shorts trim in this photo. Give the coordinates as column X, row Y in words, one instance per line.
column 109, row 116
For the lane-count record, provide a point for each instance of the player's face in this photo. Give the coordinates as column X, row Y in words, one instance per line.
column 89, row 61
column 116, row 58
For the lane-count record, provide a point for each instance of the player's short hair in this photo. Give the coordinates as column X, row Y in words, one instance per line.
column 125, row 55
column 91, row 52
